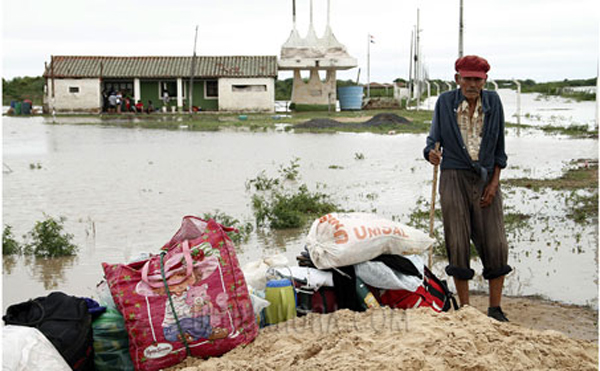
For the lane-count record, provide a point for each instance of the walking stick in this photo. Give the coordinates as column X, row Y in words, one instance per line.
column 432, row 210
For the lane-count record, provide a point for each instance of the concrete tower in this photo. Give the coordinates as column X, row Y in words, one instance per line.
column 314, row 54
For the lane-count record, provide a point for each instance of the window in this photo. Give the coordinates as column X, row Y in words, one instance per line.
column 126, row 88
column 248, row 88
column 73, row 89
column 169, row 87
column 211, row 89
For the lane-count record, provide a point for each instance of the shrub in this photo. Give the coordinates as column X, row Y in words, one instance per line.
column 284, row 203
column 244, row 229
column 9, row 245
column 48, row 240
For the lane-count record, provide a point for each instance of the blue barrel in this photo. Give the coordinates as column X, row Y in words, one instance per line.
column 350, row 97
column 26, row 108
column 13, row 104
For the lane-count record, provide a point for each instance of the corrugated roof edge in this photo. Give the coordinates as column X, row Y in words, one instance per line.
column 61, row 58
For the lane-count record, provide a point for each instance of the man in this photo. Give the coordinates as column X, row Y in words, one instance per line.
column 469, row 125
column 112, row 102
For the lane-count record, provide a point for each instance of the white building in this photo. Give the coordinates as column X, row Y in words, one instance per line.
column 223, row 83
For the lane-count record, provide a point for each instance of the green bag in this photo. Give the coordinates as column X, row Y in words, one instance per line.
column 111, row 347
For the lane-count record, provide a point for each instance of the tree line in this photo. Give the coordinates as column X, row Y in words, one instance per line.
column 21, row 88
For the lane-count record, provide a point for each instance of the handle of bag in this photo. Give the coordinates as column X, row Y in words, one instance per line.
column 226, row 229
column 185, row 246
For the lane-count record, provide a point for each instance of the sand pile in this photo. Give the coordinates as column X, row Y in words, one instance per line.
column 419, row 339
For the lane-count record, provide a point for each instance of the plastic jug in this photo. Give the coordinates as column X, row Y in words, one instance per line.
column 280, row 294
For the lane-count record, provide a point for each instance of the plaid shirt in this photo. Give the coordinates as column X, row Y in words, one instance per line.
column 471, row 128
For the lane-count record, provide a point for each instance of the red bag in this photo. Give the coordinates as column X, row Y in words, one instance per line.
column 433, row 293
column 191, row 299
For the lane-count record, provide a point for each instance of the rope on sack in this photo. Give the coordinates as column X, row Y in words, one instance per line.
column 164, row 277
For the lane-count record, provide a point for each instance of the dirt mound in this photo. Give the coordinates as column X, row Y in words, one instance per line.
column 319, row 123
column 382, row 119
column 384, row 338
column 386, row 119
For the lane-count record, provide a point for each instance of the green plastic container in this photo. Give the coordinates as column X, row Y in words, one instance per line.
column 280, row 294
column 18, row 108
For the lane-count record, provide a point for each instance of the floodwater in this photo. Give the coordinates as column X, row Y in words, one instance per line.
column 124, row 192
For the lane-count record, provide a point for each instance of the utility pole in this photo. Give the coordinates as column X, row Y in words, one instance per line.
column 418, row 63
column 368, row 65
column 597, row 90
column 410, row 68
column 192, row 72
column 460, row 31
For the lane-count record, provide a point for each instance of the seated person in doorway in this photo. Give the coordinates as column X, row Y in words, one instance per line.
column 139, row 106
column 150, row 107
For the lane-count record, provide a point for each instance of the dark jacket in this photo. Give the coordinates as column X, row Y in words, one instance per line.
column 444, row 129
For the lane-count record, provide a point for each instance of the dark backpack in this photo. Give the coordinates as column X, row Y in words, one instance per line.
column 309, row 300
column 64, row 320
column 432, row 293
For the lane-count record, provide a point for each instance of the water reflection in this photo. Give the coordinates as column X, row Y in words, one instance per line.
column 50, row 271
column 8, row 263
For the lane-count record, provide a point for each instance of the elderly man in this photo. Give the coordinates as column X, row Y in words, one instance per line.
column 469, row 125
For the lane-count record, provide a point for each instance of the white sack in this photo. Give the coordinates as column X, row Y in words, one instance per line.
column 255, row 272
column 26, row 348
column 338, row 240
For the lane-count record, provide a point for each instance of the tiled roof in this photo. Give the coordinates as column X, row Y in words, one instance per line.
column 151, row 67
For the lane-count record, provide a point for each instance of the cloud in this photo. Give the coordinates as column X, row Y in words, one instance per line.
column 544, row 40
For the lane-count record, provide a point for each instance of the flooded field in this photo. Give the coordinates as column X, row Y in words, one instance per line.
column 124, row 192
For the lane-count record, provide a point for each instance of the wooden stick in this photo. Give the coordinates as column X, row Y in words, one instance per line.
column 432, row 209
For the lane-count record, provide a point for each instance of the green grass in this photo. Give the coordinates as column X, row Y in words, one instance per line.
column 579, row 177
column 210, row 121
column 582, row 208
column 574, row 131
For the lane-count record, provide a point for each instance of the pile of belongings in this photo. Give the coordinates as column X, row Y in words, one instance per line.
column 52, row 332
column 356, row 261
column 189, row 299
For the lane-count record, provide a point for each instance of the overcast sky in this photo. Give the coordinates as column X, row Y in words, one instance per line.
column 544, row 40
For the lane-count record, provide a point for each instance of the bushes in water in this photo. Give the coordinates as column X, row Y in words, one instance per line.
column 47, row 239
column 9, row 245
column 282, row 202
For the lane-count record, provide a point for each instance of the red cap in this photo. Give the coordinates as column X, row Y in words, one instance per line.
column 472, row 66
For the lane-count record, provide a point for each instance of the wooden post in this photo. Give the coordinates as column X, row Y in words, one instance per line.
column 192, row 72
column 52, row 74
column 432, row 209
